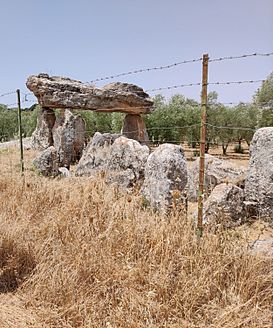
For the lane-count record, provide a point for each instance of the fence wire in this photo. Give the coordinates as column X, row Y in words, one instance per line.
column 241, row 56
column 176, row 64
column 7, row 93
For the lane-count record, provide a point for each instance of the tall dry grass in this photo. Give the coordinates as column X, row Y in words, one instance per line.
column 78, row 253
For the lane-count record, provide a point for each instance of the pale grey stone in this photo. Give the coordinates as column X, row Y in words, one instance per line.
column 263, row 247
column 69, row 138
column 42, row 136
column 46, row 163
column 104, row 139
column 64, row 172
column 165, row 174
column 127, row 159
column 259, row 180
column 225, row 206
column 122, row 161
column 216, row 171
column 95, row 157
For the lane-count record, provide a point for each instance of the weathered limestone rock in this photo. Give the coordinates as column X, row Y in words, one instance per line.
column 263, row 247
column 95, row 157
column 134, row 128
column 165, row 176
column 259, row 180
column 61, row 92
column 225, row 205
column 47, row 162
column 127, row 161
column 42, row 136
column 69, row 138
column 121, row 159
column 216, row 171
column 104, row 139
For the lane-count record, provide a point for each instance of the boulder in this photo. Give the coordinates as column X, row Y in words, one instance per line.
column 127, row 159
column 95, row 157
column 121, row 159
column 105, row 139
column 263, row 247
column 216, row 171
column 165, row 176
column 225, row 206
column 46, row 163
column 69, row 138
column 42, row 136
column 61, row 92
column 259, row 180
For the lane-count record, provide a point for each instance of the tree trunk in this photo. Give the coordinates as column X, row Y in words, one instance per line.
column 224, row 148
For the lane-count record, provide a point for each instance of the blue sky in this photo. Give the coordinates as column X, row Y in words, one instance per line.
column 85, row 40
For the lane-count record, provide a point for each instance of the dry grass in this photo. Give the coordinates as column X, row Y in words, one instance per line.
column 78, row 253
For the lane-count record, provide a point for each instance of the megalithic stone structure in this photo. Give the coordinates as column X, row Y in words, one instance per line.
column 61, row 93
column 134, row 128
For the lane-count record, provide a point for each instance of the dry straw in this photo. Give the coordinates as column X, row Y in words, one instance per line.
column 78, row 253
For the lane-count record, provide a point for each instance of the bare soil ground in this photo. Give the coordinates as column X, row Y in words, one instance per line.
column 78, row 253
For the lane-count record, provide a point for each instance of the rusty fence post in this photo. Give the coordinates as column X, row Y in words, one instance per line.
column 202, row 144
column 20, row 132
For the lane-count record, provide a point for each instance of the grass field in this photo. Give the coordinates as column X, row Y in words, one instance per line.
column 78, row 253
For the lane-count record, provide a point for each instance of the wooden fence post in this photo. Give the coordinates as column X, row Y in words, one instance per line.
column 20, row 132
column 204, row 97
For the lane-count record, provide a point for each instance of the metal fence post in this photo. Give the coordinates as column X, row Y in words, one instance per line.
column 202, row 144
column 20, row 132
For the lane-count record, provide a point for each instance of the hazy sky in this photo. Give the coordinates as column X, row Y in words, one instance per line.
column 85, row 40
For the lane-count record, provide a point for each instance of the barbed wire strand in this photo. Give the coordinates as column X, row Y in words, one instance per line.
column 241, row 56
column 210, row 83
column 162, row 67
column 142, row 70
column 231, row 127
column 7, row 93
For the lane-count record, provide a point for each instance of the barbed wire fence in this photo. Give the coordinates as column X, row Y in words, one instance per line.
column 203, row 125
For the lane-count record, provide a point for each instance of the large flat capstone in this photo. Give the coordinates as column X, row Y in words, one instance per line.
column 62, row 92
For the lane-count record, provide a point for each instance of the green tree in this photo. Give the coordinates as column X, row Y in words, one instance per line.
column 264, row 100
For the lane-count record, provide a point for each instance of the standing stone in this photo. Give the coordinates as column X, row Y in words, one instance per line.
column 42, row 136
column 69, row 138
column 134, row 128
column 217, row 171
column 225, row 206
column 95, row 157
column 46, row 163
column 127, row 159
column 121, row 159
column 259, row 180
column 165, row 176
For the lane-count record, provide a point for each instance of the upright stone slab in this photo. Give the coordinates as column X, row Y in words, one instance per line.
column 42, row 137
column 46, row 163
column 259, row 180
column 69, row 138
column 134, row 128
column 165, row 176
